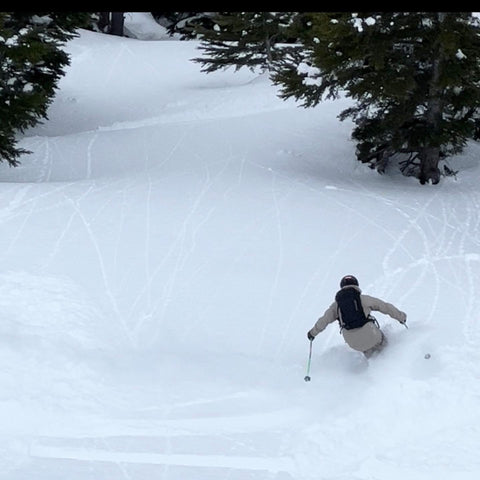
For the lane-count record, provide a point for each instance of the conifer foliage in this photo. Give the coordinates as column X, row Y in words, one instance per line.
column 415, row 78
column 242, row 39
column 31, row 64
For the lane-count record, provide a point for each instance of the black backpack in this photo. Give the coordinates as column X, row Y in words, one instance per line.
column 350, row 306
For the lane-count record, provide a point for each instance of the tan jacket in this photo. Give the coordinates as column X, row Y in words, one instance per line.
column 365, row 337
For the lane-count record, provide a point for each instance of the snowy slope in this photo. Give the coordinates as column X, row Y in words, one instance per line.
column 164, row 251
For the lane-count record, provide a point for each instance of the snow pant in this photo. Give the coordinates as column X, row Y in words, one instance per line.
column 364, row 338
column 377, row 348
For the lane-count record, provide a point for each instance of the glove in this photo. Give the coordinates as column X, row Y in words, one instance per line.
column 403, row 318
column 310, row 336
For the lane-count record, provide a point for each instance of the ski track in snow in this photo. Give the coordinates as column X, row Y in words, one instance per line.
column 418, row 223
column 163, row 443
column 422, row 224
column 274, row 464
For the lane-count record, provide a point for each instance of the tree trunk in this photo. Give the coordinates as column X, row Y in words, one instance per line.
column 430, row 154
column 429, row 171
column 111, row 22
column 117, row 24
column 104, row 21
column 268, row 48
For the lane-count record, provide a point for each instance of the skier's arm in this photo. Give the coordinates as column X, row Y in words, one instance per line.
column 384, row 307
column 329, row 316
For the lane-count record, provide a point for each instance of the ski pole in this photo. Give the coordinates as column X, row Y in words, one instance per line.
column 307, row 377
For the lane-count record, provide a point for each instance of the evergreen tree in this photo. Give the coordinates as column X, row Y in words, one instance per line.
column 415, row 78
column 31, row 64
column 184, row 24
column 242, row 39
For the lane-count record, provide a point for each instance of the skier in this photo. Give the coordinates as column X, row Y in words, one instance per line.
column 352, row 309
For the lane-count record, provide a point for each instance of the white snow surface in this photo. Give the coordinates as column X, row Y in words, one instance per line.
column 165, row 249
column 143, row 26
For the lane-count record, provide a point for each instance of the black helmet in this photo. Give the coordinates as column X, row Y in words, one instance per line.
column 348, row 280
